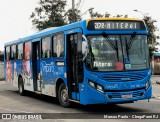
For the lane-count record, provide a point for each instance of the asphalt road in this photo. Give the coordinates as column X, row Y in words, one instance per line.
column 12, row 102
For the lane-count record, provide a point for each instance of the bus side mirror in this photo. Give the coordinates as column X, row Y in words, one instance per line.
column 84, row 47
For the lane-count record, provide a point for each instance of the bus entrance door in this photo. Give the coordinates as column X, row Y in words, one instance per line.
column 74, row 65
column 36, row 65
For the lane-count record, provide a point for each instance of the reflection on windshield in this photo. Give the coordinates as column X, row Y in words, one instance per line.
column 115, row 52
column 137, row 52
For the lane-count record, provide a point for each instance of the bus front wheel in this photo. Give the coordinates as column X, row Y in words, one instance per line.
column 63, row 95
column 21, row 87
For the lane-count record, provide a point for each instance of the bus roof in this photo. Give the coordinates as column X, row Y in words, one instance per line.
column 47, row 31
column 52, row 30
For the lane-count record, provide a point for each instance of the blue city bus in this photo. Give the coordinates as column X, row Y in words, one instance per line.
column 93, row 61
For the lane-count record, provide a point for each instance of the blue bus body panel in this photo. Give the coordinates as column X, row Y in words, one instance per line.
column 114, row 89
column 92, row 96
column 51, row 72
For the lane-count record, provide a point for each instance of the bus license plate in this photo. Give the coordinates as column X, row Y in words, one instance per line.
column 127, row 96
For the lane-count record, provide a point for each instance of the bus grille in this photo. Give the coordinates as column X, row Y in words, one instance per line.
column 118, row 95
column 129, row 76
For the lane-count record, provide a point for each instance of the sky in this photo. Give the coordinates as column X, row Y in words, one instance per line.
column 15, row 22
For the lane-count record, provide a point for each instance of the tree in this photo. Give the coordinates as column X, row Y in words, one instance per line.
column 73, row 15
column 121, row 16
column 95, row 14
column 151, row 34
column 50, row 13
column 107, row 15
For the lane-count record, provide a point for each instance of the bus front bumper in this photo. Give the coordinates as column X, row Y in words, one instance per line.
column 92, row 96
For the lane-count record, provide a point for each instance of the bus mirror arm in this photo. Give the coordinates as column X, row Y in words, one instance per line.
column 85, row 56
column 84, row 47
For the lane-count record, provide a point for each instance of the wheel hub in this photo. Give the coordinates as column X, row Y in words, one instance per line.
column 64, row 95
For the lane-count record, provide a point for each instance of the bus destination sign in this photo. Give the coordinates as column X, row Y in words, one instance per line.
column 115, row 25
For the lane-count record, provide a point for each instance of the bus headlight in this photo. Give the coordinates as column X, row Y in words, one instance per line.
column 91, row 84
column 147, row 84
column 96, row 86
column 99, row 88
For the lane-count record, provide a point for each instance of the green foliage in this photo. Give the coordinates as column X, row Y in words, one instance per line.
column 95, row 14
column 73, row 15
column 50, row 13
column 107, row 15
column 151, row 34
column 151, row 29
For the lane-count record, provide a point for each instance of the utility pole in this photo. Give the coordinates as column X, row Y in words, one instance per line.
column 72, row 5
column 73, row 13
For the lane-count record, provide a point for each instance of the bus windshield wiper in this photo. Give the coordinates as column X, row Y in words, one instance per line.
column 127, row 47
column 129, row 44
column 109, row 40
column 114, row 46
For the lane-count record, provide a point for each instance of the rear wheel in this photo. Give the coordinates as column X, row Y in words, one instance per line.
column 21, row 87
column 63, row 95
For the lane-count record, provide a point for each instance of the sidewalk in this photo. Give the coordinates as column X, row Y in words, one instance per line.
column 155, row 79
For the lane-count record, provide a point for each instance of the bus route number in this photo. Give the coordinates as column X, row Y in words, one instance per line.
column 99, row 25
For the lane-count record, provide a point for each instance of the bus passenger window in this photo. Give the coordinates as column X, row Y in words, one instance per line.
column 13, row 52
column 46, row 47
column 20, row 54
column 8, row 53
column 20, row 51
column 27, row 50
column 58, row 46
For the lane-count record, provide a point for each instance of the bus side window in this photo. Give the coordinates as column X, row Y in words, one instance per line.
column 27, row 50
column 20, row 51
column 46, row 42
column 58, row 45
column 13, row 52
column 8, row 53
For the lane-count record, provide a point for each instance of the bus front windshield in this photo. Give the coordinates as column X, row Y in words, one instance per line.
column 117, row 52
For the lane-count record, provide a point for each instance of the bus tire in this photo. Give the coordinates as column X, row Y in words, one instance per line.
column 63, row 95
column 21, row 87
